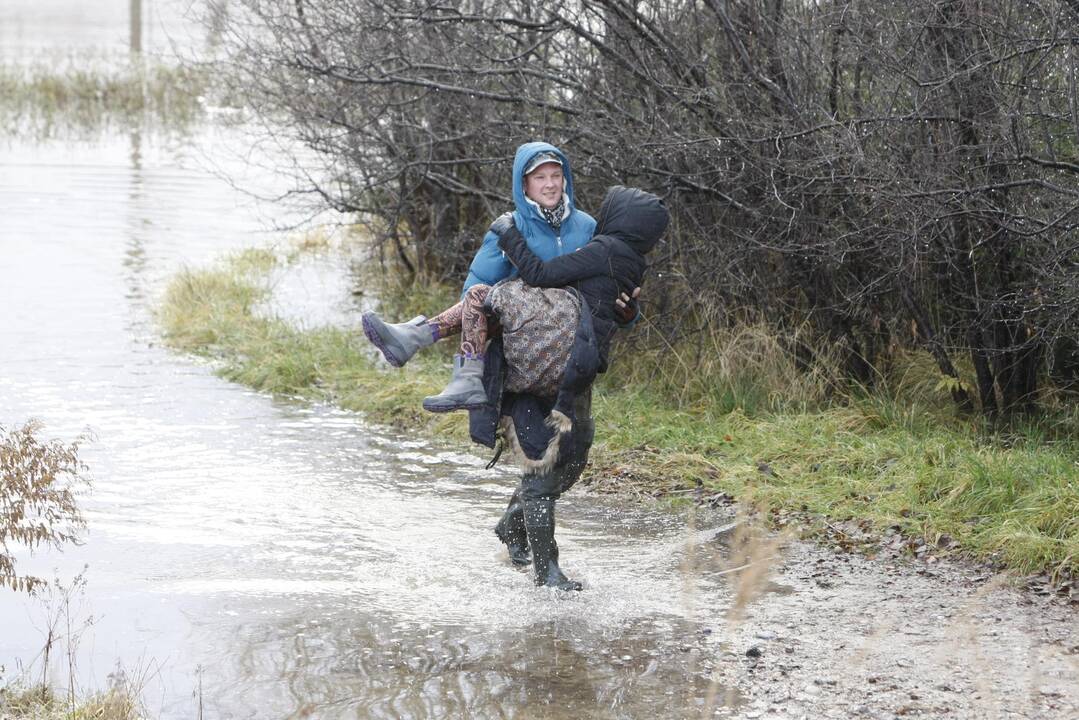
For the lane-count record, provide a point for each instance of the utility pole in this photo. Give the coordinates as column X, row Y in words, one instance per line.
column 136, row 27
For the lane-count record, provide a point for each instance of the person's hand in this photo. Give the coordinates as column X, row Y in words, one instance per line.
column 625, row 306
column 503, row 224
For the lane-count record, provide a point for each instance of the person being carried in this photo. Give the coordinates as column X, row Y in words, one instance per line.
column 629, row 224
column 537, row 349
column 546, row 213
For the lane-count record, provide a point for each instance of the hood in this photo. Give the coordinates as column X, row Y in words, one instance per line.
column 525, row 153
column 635, row 217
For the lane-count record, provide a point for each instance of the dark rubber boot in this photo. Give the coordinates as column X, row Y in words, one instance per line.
column 397, row 341
column 539, row 524
column 465, row 391
column 511, row 531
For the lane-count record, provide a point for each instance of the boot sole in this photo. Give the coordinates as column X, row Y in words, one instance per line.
column 371, row 331
column 451, row 408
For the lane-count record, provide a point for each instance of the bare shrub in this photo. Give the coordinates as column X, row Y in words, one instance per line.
column 886, row 175
column 38, row 483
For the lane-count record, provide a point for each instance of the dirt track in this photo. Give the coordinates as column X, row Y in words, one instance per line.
column 897, row 637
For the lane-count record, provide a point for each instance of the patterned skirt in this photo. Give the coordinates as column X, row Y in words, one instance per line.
column 538, row 327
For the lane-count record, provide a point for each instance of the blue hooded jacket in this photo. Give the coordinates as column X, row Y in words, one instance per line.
column 491, row 266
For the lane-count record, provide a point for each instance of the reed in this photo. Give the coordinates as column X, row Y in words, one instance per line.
column 90, row 94
column 32, row 693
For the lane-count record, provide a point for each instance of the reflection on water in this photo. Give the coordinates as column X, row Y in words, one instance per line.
column 386, row 670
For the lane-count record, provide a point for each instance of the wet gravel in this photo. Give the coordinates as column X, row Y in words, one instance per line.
column 893, row 637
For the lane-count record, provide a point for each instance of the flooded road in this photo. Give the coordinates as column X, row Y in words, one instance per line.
column 288, row 558
column 248, row 556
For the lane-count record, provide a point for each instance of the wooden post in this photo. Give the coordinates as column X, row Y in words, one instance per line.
column 136, row 27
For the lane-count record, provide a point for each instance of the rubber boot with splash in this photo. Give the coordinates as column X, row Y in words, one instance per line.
column 398, row 341
column 465, row 391
column 511, row 531
column 539, row 524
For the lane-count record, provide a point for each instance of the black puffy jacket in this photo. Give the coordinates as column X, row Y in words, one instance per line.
column 629, row 224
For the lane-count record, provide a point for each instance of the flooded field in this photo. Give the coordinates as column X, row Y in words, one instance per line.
column 40, row 30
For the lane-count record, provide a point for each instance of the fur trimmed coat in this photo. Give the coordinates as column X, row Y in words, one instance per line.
column 536, row 428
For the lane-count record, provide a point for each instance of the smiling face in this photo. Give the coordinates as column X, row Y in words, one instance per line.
column 544, row 185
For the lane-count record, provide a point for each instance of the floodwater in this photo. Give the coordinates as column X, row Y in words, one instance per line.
column 255, row 557
column 53, row 30
column 281, row 557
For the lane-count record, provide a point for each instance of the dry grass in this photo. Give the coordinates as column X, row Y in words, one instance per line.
column 731, row 365
column 28, row 699
column 38, row 703
column 753, row 555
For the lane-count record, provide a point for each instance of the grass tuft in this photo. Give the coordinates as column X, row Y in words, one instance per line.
column 42, row 703
column 212, row 313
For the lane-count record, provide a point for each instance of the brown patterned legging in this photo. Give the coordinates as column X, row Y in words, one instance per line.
column 469, row 318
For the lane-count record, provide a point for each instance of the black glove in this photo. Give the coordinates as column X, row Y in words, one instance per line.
column 502, row 223
column 506, row 231
column 626, row 307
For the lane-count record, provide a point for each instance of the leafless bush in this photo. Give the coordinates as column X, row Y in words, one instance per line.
column 887, row 174
column 38, row 480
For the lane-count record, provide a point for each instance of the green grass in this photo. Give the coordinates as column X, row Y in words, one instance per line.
column 1018, row 504
column 212, row 313
column 736, row 417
